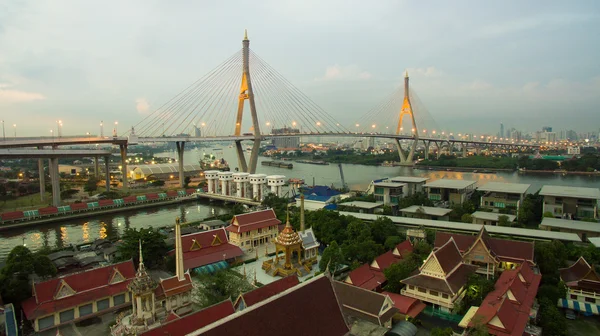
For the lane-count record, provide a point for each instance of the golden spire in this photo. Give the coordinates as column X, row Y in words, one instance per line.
column 245, row 34
column 406, row 73
column 287, row 211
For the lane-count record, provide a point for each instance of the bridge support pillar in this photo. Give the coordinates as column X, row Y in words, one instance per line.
column 123, row 149
column 107, row 172
column 464, row 150
column 42, row 178
column 439, row 150
column 96, row 168
column 426, row 150
column 243, row 167
column 180, row 149
column 400, row 152
column 55, row 180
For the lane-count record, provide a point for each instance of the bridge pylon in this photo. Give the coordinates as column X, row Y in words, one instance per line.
column 405, row 110
column 246, row 93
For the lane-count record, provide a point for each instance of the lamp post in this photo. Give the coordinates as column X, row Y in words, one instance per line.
column 3, row 134
column 15, row 127
column 52, row 132
column 101, row 129
column 59, row 128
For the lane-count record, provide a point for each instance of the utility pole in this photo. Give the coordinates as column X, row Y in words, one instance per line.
column 3, row 133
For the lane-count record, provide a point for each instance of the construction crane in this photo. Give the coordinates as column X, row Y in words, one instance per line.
column 344, row 185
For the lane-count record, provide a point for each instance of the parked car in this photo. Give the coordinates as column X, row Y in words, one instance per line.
column 569, row 314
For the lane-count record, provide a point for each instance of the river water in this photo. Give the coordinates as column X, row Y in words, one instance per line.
column 358, row 177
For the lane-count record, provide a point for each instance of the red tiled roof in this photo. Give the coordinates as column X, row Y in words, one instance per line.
column 194, row 321
column 575, row 272
column 404, row 247
column 504, row 249
column 88, row 286
column 172, row 316
column 253, row 220
column 207, row 253
column 172, row 286
column 386, row 260
column 448, row 256
column 266, row 291
column 406, row 305
column 366, row 277
column 514, row 315
column 307, row 309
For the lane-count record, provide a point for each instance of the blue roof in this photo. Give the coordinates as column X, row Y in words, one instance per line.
column 331, row 206
column 316, row 198
column 320, row 191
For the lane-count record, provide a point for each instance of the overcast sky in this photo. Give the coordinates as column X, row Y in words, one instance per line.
column 473, row 64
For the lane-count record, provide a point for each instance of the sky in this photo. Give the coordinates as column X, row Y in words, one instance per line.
column 474, row 64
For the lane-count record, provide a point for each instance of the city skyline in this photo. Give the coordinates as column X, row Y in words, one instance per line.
column 473, row 65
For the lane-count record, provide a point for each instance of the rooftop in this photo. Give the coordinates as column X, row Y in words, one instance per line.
column 570, row 224
column 166, row 168
column 466, row 227
column 493, row 216
column 579, row 192
column 432, row 211
column 595, row 241
column 409, row 179
column 512, row 188
column 389, row 184
column 361, row 204
column 450, row 184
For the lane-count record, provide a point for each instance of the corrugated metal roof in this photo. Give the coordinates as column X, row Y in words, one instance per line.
column 166, row 168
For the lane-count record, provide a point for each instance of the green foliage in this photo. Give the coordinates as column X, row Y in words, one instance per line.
column 332, row 257
column 220, row 286
column 477, row 288
column 414, row 199
column 550, row 256
column 154, row 248
column 476, row 161
column 400, row 271
column 548, row 214
column 91, row 185
column 186, row 181
column 459, row 210
column 359, row 197
column 392, row 241
column 587, row 162
column 68, row 193
column 111, row 194
column 466, row 218
column 14, row 276
column 536, row 164
column 442, row 332
column 503, row 220
column 421, row 249
column 382, row 228
column 530, row 212
column 157, row 183
column 552, row 321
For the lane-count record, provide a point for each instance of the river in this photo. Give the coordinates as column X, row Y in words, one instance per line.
column 357, row 177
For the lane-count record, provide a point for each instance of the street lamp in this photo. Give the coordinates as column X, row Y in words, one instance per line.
column 3, row 134
column 59, row 128
column 15, row 126
column 101, row 129
column 116, row 124
column 52, row 132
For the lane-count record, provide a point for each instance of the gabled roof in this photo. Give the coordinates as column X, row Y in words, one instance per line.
column 364, row 304
column 406, row 305
column 74, row 289
column 253, row 220
column 577, row 271
column 266, row 291
column 306, row 309
column 403, row 249
column 504, row 249
column 309, row 240
column 194, row 321
column 448, row 256
column 506, row 309
column 382, row 262
column 172, row 286
column 207, row 247
column 320, row 191
column 366, row 278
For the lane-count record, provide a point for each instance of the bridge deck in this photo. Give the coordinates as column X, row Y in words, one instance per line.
column 228, row 198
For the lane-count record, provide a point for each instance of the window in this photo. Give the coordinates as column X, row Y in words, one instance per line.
column 259, row 230
column 102, row 304
column 85, row 310
column 573, row 297
column 590, row 300
column 422, row 290
column 411, row 287
column 445, row 296
column 242, row 244
column 67, row 315
column 118, row 299
column 46, row 322
column 433, row 293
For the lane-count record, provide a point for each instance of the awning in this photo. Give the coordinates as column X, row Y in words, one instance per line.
column 211, row 268
column 583, row 307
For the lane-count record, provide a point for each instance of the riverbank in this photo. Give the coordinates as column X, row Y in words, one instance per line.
column 95, row 213
column 559, row 172
column 463, row 169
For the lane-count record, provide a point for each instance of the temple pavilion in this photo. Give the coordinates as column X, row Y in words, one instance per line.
column 295, row 259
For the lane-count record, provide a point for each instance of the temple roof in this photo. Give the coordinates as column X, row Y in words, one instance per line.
column 253, row 220
column 366, row 277
column 308, row 239
column 207, row 247
column 266, row 291
column 287, row 236
column 364, row 304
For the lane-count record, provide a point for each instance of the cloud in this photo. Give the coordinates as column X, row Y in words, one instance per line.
column 141, row 105
column 427, row 72
column 348, row 72
column 8, row 95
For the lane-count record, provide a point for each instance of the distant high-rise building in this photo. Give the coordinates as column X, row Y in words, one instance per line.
column 197, row 131
column 371, row 142
column 287, row 142
column 546, row 129
column 501, row 130
column 571, row 135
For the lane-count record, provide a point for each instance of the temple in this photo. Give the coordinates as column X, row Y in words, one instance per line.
column 490, row 255
column 583, row 287
column 154, row 302
column 253, row 230
column 441, row 278
column 205, row 251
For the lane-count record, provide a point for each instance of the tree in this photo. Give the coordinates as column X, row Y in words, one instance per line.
column 382, row 228
column 154, row 248
column 43, row 266
column 548, row 214
column 332, row 257
column 392, row 241
column 503, row 220
column 552, row 321
column 220, row 286
column 186, row 181
column 91, row 185
column 442, row 332
column 466, row 218
column 399, row 271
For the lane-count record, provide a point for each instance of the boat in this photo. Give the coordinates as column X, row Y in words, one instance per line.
column 315, row 162
column 210, row 162
column 277, row 164
column 296, row 181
